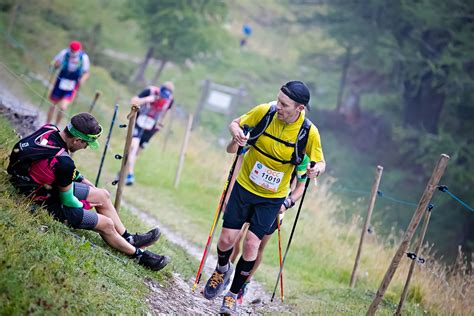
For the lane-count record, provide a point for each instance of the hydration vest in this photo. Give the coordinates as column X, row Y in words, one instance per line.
column 158, row 105
column 151, row 112
column 65, row 73
column 29, row 150
column 299, row 146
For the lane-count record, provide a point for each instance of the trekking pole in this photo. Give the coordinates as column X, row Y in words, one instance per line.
column 96, row 97
column 217, row 215
column 106, row 144
column 292, row 232
column 279, row 253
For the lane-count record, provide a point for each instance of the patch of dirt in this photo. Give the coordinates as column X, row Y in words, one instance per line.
column 256, row 301
column 24, row 116
column 24, row 124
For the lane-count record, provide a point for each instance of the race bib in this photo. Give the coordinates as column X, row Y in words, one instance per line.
column 67, row 85
column 265, row 177
column 146, row 122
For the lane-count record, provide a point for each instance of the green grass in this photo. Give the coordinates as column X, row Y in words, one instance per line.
column 44, row 268
column 321, row 257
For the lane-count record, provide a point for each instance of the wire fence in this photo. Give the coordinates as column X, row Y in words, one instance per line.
column 382, row 194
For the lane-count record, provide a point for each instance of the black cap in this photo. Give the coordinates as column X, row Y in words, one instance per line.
column 298, row 92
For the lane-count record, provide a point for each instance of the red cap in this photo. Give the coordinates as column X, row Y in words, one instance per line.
column 75, row 46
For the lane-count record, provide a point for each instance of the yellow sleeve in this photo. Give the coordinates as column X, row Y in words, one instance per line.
column 255, row 115
column 313, row 148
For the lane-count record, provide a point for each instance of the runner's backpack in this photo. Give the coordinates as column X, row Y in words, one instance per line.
column 301, row 141
column 29, row 150
column 65, row 64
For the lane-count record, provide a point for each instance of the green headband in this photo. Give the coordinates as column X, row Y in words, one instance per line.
column 90, row 139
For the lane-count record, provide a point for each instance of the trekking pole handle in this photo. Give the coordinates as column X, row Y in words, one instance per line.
column 312, row 164
column 246, row 130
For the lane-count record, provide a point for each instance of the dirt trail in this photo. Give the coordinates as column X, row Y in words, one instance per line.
column 257, row 300
column 177, row 298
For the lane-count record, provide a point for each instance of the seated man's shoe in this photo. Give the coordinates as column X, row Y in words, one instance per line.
column 217, row 283
column 144, row 240
column 152, row 261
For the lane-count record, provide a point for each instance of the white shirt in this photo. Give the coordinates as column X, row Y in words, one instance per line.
column 74, row 60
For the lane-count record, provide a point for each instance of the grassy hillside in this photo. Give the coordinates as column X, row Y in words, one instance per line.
column 320, row 260
column 45, row 267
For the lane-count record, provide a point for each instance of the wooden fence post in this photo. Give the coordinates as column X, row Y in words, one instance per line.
column 422, row 204
column 169, row 129
column 202, row 102
column 183, row 150
column 132, row 117
column 94, row 101
column 373, row 196
column 412, row 265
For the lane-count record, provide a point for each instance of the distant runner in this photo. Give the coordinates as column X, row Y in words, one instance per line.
column 154, row 102
column 73, row 64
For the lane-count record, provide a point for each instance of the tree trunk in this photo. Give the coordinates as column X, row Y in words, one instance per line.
column 13, row 16
column 342, row 83
column 158, row 72
column 93, row 39
column 423, row 104
column 350, row 106
column 140, row 75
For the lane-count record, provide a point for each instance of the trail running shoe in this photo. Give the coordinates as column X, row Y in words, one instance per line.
column 243, row 290
column 229, row 305
column 153, row 261
column 217, row 283
column 144, row 240
column 130, row 179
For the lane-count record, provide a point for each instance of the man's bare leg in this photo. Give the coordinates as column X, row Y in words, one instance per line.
column 106, row 228
column 106, row 207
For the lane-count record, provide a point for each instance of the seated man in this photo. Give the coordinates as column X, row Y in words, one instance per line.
column 41, row 167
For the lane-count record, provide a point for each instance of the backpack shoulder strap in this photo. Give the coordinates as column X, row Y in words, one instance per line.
column 66, row 60
column 301, row 141
column 262, row 125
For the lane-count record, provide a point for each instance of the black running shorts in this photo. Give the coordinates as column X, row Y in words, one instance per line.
column 244, row 206
column 72, row 216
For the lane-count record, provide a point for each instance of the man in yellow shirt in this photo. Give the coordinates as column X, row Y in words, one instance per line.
column 263, row 181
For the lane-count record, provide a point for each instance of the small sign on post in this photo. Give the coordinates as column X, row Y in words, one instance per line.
column 219, row 99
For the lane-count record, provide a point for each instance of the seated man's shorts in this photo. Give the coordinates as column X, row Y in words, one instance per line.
column 244, row 206
column 73, row 216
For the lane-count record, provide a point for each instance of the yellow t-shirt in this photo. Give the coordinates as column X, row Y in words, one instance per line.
column 250, row 175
